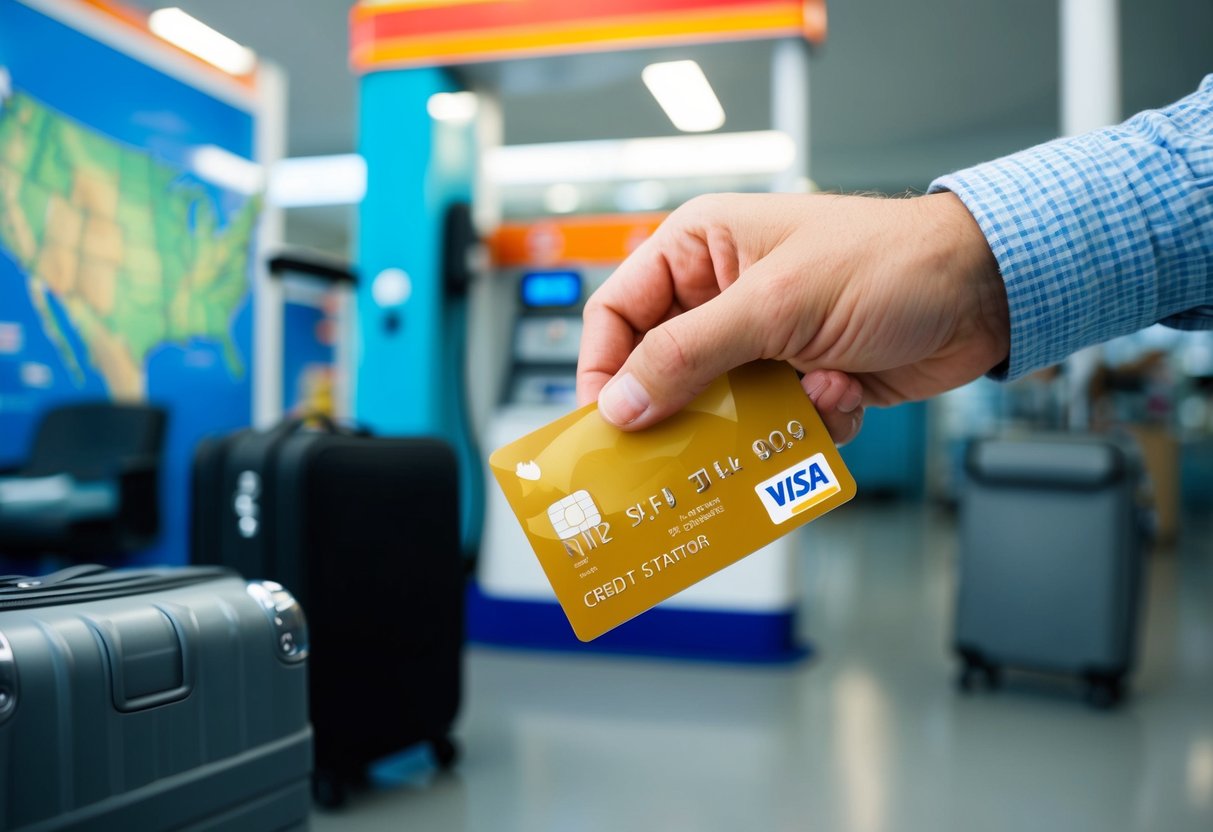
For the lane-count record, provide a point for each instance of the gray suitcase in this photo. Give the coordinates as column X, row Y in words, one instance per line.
column 152, row 699
column 1050, row 562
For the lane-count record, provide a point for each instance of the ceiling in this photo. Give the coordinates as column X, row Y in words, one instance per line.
column 874, row 80
column 900, row 92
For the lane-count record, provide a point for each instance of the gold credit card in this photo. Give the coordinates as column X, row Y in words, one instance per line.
column 621, row 521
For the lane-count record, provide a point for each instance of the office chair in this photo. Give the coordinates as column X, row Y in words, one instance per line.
column 89, row 488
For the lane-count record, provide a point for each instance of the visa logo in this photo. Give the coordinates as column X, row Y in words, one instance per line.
column 797, row 488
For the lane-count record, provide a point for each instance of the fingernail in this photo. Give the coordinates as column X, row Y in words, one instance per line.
column 815, row 383
column 623, row 400
column 850, row 401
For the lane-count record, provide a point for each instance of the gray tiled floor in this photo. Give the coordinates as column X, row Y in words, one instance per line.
column 867, row 736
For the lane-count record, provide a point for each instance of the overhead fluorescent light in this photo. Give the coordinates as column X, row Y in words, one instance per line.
column 305, row 181
column 646, row 195
column 683, row 91
column 227, row 170
column 759, row 152
column 194, row 36
column 562, row 198
column 457, row 107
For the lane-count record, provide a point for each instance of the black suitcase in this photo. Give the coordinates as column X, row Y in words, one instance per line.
column 152, row 699
column 365, row 531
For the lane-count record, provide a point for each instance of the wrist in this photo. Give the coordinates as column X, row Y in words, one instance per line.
column 967, row 257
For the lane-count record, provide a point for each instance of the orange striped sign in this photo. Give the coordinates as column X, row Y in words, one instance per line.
column 603, row 240
column 445, row 32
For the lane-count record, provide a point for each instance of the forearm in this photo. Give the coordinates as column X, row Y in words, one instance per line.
column 1102, row 234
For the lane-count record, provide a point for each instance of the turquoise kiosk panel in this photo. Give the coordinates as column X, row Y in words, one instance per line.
column 411, row 329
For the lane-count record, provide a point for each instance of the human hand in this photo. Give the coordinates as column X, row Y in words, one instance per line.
column 876, row 301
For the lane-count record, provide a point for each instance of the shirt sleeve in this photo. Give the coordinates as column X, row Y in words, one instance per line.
column 1101, row 234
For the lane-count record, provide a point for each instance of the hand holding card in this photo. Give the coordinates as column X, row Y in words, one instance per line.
column 622, row 521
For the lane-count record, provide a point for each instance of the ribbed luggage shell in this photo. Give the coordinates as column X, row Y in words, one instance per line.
column 165, row 709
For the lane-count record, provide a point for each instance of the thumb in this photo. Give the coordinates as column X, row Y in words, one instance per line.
column 675, row 361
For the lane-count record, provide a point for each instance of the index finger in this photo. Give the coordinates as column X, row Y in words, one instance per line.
column 634, row 299
column 670, row 272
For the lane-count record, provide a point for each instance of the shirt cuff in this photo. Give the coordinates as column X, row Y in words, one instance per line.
column 1067, row 231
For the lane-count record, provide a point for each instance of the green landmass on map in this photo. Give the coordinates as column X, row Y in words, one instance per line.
column 133, row 253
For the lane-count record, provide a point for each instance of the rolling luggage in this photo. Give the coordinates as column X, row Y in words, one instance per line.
column 1050, row 563
column 152, row 699
column 365, row 531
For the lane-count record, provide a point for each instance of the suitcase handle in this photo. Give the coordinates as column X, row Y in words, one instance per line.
column 327, row 425
column 91, row 582
column 60, row 577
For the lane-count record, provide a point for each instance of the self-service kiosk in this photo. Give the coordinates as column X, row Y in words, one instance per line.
column 745, row 612
column 415, row 321
column 547, row 337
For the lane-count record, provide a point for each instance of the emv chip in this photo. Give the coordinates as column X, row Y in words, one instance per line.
column 574, row 514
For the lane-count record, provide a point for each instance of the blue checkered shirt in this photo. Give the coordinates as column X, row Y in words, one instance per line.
column 1101, row 234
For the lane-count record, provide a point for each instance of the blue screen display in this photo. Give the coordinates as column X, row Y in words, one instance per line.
column 548, row 289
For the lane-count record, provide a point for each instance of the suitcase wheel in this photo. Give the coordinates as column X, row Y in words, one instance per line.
column 446, row 752
column 1103, row 693
column 329, row 790
column 974, row 670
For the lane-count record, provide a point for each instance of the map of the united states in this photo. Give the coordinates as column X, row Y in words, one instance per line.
column 132, row 251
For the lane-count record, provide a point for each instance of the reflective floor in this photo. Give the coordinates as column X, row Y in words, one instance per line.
column 869, row 735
